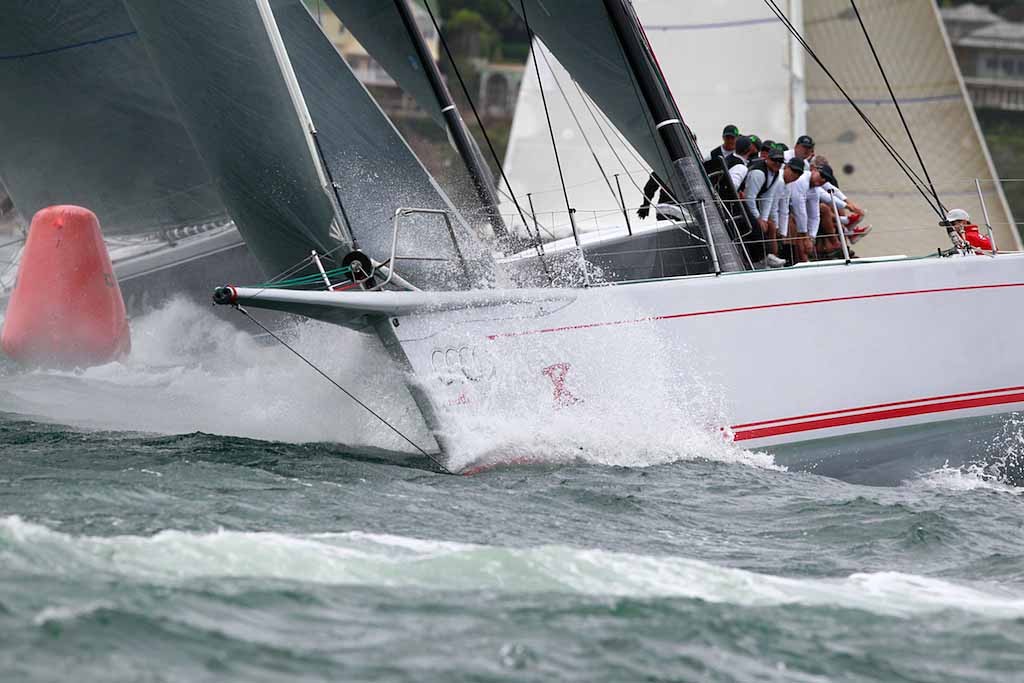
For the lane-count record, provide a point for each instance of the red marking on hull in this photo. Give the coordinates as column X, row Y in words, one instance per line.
column 875, row 416
column 563, row 398
column 876, row 406
column 741, row 309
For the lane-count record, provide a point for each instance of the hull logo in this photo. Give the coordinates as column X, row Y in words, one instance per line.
column 462, row 364
column 562, row 397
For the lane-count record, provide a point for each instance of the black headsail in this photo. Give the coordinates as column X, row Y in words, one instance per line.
column 601, row 43
column 388, row 30
column 218, row 60
column 85, row 119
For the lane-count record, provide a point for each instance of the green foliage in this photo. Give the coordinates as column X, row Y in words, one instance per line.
column 505, row 35
column 471, row 34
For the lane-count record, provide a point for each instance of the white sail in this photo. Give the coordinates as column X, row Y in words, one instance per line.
column 752, row 78
column 581, row 132
column 915, row 51
column 730, row 62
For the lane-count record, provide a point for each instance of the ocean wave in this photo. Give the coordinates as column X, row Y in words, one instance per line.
column 357, row 558
column 966, row 478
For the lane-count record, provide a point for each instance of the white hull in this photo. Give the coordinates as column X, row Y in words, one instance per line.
column 770, row 358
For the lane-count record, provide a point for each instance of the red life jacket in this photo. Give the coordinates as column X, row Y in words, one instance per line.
column 974, row 238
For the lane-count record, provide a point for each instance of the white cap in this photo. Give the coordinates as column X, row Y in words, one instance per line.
column 957, row 215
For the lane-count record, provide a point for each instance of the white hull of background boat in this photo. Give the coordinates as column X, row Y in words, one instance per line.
column 768, row 358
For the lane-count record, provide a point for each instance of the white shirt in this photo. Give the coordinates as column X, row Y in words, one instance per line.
column 804, row 205
column 780, row 206
column 789, row 154
column 839, row 193
column 759, row 207
column 825, row 198
column 738, row 173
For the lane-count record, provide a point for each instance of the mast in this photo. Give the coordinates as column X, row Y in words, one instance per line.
column 464, row 143
column 667, row 118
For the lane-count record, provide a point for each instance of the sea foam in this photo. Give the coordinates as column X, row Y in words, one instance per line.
column 191, row 371
column 364, row 559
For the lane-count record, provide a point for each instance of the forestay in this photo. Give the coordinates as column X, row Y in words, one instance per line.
column 85, row 119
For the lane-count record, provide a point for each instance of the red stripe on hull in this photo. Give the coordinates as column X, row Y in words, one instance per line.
column 876, row 416
column 876, row 406
column 740, row 309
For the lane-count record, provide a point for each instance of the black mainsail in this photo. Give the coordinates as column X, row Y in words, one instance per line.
column 85, row 119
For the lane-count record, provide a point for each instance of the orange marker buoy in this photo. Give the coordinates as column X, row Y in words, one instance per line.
column 66, row 309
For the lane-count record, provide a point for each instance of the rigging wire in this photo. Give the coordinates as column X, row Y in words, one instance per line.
column 345, row 391
column 896, row 102
column 591, row 107
column 915, row 179
column 547, row 114
column 506, row 195
column 611, row 147
column 579, row 125
column 487, row 139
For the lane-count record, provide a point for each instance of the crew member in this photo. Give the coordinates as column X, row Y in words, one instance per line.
column 803, row 149
column 759, row 193
column 802, row 205
column 738, row 160
column 824, row 181
column 729, row 135
column 971, row 234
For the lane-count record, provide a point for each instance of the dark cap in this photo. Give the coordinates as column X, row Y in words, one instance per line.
column 828, row 175
column 755, row 140
column 768, row 145
column 797, row 165
column 732, row 130
column 782, row 146
column 805, row 140
column 776, row 156
column 743, row 145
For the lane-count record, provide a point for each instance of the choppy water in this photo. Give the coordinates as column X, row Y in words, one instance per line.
column 137, row 545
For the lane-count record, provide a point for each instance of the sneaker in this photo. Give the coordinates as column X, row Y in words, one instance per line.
column 855, row 218
column 853, row 236
column 774, row 261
